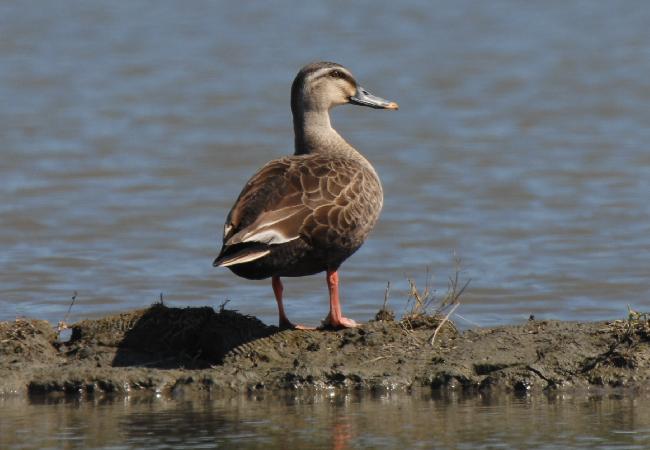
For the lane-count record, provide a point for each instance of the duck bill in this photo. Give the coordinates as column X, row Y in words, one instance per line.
column 364, row 98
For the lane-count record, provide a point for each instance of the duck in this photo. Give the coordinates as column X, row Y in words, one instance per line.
column 307, row 213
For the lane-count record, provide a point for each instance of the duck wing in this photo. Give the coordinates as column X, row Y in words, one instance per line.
column 308, row 196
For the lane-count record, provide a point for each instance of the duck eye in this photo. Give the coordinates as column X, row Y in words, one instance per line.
column 336, row 74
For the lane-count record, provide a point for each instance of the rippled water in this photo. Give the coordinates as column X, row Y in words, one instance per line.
column 128, row 128
column 331, row 422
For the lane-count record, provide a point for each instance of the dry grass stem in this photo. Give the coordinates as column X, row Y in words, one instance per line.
column 385, row 314
column 423, row 308
column 442, row 322
column 386, row 293
column 63, row 325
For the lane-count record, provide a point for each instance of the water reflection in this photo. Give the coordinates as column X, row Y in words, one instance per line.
column 331, row 420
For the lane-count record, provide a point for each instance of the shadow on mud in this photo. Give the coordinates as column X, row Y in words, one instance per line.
column 167, row 338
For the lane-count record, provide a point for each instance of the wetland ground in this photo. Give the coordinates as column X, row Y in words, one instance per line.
column 176, row 350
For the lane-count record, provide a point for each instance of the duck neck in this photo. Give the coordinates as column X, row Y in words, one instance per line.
column 314, row 133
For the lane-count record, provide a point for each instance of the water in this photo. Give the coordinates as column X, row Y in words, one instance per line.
column 330, row 422
column 127, row 131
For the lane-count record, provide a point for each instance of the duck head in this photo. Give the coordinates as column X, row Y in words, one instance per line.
column 323, row 85
column 318, row 87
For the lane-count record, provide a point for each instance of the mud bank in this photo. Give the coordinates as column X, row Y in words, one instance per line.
column 174, row 350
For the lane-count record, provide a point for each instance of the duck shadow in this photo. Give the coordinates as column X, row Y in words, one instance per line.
column 166, row 338
column 190, row 338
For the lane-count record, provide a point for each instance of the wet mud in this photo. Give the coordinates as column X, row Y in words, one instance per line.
column 176, row 351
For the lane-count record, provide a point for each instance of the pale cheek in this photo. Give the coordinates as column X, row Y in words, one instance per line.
column 340, row 99
column 346, row 94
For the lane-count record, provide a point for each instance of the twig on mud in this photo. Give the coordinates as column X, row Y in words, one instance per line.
column 453, row 293
column 63, row 325
column 222, row 307
column 378, row 358
column 407, row 328
column 435, row 333
column 452, row 298
column 423, row 309
column 386, row 293
column 422, row 300
column 471, row 322
column 385, row 314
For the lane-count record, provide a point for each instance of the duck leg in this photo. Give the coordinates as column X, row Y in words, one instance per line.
column 277, row 290
column 284, row 322
column 335, row 319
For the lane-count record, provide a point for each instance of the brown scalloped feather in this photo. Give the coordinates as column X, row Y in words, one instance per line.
column 311, row 211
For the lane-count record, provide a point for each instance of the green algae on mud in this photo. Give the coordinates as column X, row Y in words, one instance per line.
column 178, row 350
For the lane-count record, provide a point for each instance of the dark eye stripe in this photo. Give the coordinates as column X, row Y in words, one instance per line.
column 340, row 75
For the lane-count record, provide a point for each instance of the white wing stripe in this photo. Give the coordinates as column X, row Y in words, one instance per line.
column 245, row 258
column 268, row 237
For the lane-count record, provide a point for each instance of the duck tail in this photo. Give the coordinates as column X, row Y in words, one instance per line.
column 240, row 254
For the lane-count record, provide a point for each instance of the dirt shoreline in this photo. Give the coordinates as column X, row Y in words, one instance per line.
column 176, row 351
